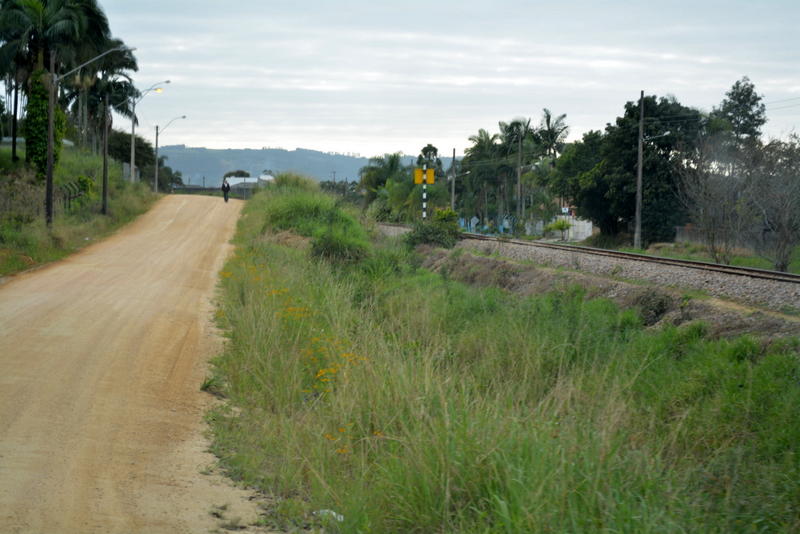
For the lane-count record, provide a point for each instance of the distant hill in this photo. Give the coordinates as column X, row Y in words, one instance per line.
column 195, row 163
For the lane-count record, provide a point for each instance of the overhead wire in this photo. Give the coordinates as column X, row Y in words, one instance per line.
column 782, row 100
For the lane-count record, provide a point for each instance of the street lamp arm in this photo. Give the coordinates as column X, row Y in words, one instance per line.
column 155, row 175
column 151, row 88
column 170, row 122
column 79, row 67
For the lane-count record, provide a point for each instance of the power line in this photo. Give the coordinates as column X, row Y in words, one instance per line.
column 784, row 100
column 784, row 107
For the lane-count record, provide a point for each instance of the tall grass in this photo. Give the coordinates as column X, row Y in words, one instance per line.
column 26, row 241
column 410, row 403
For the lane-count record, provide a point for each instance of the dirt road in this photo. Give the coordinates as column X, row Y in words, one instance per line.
column 101, row 360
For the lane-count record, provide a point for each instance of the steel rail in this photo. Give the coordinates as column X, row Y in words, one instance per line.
column 689, row 264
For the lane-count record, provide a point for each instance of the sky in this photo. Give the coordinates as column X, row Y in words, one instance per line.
column 373, row 77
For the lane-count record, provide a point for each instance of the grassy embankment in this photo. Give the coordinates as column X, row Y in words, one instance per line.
column 24, row 239
column 411, row 403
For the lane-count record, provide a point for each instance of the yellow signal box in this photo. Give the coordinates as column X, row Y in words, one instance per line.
column 428, row 175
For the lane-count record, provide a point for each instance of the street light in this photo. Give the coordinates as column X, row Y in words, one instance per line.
column 134, row 101
column 155, row 175
column 51, row 104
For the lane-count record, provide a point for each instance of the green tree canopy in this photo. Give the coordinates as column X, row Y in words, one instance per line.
column 743, row 110
column 237, row 174
column 598, row 174
column 380, row 169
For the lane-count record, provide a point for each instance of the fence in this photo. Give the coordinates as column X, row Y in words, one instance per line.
column 579, row 229
column 24, row 202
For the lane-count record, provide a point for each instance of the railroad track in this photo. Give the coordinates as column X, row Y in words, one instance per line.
column 750, row 272
column 689, row 264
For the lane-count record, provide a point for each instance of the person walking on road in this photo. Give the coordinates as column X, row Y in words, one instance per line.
column 226, row 188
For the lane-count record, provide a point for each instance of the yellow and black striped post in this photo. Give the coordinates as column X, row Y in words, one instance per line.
column 424, row 176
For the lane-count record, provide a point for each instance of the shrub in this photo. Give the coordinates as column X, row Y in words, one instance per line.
column 307, row 213
column 607, row 241
column 293, row 180
column 336, row 245
column 379, row 210
column 561, row 225
column 433, row 233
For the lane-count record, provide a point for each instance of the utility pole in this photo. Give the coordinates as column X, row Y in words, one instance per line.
column 132, row 177
column 453, row 182
column 519, row 177
column 155, row 176
column 105, row 157
column 334, row 179
column 637, row 233
column 14, row 156
column 51, row 110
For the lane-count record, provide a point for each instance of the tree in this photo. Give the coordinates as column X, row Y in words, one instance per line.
column 167, row 178
column 744, row 112
column 110, row 75
column 35, row 29
column 774, row 176
column 374, row 175
column 580, row 176
column 429, row 155
column 119, row 148
column 715, row 200
column 662, row 210
column 552, row 133
column 237, row 174
column 513, row 136
column 480, row 160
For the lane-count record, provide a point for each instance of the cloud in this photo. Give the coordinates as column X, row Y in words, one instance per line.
column 384, row 76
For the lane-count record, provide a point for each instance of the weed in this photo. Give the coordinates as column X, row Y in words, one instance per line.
column 213, row 385
column 409, row 403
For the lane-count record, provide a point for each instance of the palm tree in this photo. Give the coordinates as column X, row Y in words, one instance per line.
column 377, row 171
column 32, row 31
column 113, row 72
column 513, row 135
column 481, row 161
column 39, row 28
column 553, row 133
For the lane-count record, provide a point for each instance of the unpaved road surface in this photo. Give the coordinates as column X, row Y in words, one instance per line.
column 101, row 360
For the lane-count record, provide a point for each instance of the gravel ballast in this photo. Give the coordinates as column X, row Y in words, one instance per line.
column 773, row 294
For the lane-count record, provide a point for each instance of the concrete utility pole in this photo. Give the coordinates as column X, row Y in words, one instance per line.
column 51, row 107
column 105, row 156
column 453, row 182
column 637, row 234
column 519, row 178
column 334, row 179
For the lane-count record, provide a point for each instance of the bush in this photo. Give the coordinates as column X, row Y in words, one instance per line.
column 561, row 225
column 379, row 210
column 307, row 213
column 433, row 233
column 338, row 246
column 296, row 181
column 610, row 242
